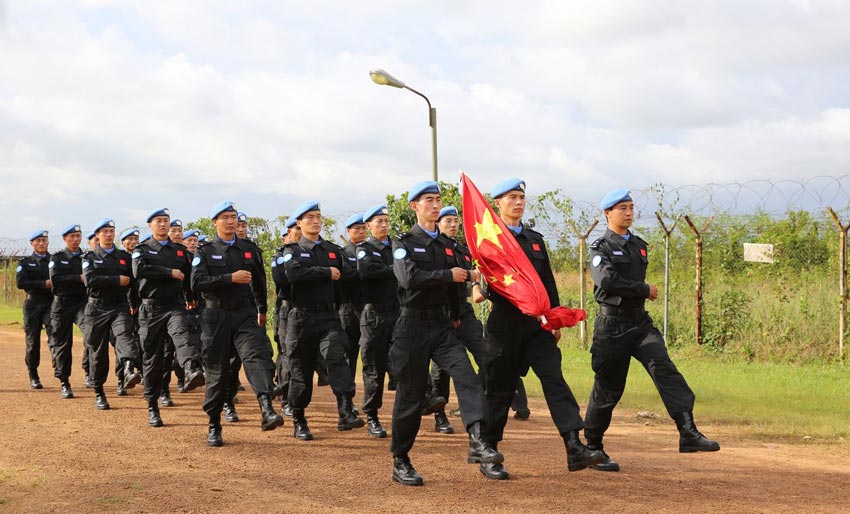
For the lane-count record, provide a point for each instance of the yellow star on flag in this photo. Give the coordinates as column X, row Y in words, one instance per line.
column 509, row 279
column 487, row 230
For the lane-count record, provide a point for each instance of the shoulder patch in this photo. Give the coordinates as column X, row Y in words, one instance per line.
column 196, row 261
column 279, row 260
column 400, row 253
column 136, row 255
column 19, row 268
column 86, row 264
column 287, row 257
column 597, row 260
column 361, row 254
column 51, row 264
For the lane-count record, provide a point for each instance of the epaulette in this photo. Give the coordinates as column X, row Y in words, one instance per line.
column 596, row 243
column 205, row 243
column 402, row 236
column 533, row 231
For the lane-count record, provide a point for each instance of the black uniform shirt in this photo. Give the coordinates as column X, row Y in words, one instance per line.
column 308, row 268
column 65, row 270
column 103, row 272
column 375, row 266
column 281, row 283
column 534, row 247
column 215, row 262
column 152, row 267
column 32, row 273
column 618, row 268
column 422, row 267
column 352, row 289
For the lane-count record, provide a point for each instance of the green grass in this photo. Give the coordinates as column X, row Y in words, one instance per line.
column 10, row 314
column 762, row 399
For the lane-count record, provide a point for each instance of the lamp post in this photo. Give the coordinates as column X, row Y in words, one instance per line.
column 383, row 78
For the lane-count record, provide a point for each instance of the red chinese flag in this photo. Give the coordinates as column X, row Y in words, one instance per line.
column 247, row 255
column 504, row 264
column 179, row 253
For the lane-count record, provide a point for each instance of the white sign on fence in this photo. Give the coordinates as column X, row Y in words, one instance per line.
column 757, row 252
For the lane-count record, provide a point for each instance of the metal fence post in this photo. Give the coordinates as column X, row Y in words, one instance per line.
column 698, row 278
column 582, row 270
column 667, row 232
column 842, row 278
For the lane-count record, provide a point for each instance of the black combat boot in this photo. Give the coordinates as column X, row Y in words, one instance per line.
column 154, row 418
column 100, row 399
column 165, row 398
column 373, row 425
column 690, row 439
column 214, row 434
column 441, row 423
column 193, row 377
column 480, row 452
column 494, row 471
column 347, row 419
column 286, row 409
column 271, row 419
column 607, row 463
column 89, row 383
column 131, row 376
column 66, row 390
column 35, row 382
column 432, row 404
column 230, row 414
column 302, row 431
column 404, row 473
column 579, row 456
column 120, row 390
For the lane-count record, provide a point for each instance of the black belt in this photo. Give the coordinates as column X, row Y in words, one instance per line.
column 382, row 307
column 315, row 307
column 174, row 300
column 425, row 314
column 627, row 312
column 230, row 305
column 107, row 302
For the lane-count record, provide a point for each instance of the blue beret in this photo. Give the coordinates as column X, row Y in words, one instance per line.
column 354, row 219
column 220, row 207
column 70, row 229
column 202, row 238
column 614, row 197
column 447, row 211
column 189, row 233
column 373, row 211
column 90, row 235
column 158, row 212
column 428, row 186
column 37, row 234
column 145, row 237
column 104, row 223
column 242, row 217
column 290, row 222
column 508, row 185
column 129, row 232
column 176, row 223
column 309, row 205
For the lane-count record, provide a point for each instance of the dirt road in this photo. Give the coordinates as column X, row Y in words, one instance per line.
column 64, row 456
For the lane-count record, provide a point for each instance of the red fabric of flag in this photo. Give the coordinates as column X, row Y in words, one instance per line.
column 504, row 264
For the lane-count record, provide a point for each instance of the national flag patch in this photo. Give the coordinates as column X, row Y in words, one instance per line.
column 247, row 255
column 643, row 252
column 535, row 247
column 332, row 255
column 179, row 253
column 122, row 262
column 450, row 252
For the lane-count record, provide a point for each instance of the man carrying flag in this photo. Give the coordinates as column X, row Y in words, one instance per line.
column 521, row 292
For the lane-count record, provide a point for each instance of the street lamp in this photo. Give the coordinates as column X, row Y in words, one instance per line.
column 383, row 78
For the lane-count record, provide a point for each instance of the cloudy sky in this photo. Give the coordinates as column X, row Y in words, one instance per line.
column 111, row 108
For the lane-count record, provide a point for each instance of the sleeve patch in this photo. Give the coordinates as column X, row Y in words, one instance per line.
column 51, row 264
column 136, row 255
column 19, row 268
column 597, row 260
column 86, row 264
column 400, row 253
column 196, row 261
column 279, row 260
column 287, row 257
column 361, row 254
